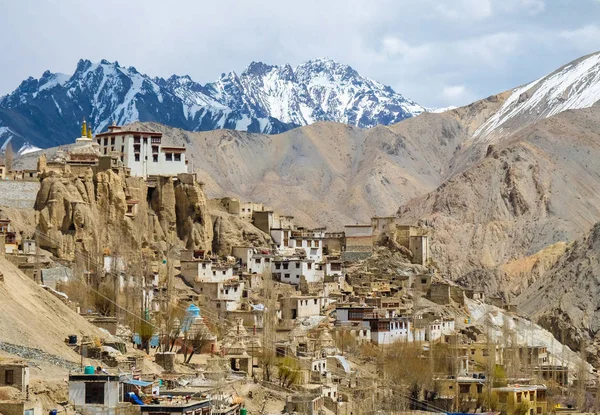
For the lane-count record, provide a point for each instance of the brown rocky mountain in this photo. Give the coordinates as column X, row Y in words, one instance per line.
column 536, row 188
column 566, row 299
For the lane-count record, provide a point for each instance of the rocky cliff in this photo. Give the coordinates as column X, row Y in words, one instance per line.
column 106, row 210
column 534, row 190
column 566, row 299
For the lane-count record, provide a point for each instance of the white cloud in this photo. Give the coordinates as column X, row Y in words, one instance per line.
column 419, row 47
column 464, row 9
column 586, row 38
column 456, row 94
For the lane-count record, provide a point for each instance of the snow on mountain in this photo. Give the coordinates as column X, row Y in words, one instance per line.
column 573, row 86
column 440, row 110
column 263, row 98
column 28, row 148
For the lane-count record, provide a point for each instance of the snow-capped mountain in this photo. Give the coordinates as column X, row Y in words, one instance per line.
column 264, row 98
column 573, row 86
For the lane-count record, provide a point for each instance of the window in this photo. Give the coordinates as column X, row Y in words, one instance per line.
column 285, row 266
column 155, row 158
column 297, row 265
column 277, row 266
column 539, row 409
column 177, row 156
column 169, row 156
column 136, row 148
column 257, row 261
column 94, row 393
column 518, row 397
column 286, row 275
column 112, row 141
column 309, row 265
column 315, row 300
column 155, row 149
column 136, row 139
column 464, row 388
column 479, row 389
column 145, row 140
column 136, row 157
column 9, row 377
column 105, row 141
column 155, row 140
column 502, row 397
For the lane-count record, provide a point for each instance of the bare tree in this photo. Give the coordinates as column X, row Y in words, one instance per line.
column 8, row 157
column 198, row 341
column 146, row 331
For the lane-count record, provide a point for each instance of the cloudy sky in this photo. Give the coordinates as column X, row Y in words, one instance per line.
column 437, row 52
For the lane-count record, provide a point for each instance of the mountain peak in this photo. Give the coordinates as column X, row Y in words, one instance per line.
column 257, row 68
column 264, row 98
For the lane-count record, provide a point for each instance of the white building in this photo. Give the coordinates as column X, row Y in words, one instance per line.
column 259, row 264
column 312, row 246
column 300, row 307
column 388, row 331
column 289, row 271
column 243, row 254
column 205, row 270
column 97, row 393
column 227, row 295
column 143, row 152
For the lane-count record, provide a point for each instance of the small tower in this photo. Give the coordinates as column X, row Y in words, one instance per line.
column 86, row 134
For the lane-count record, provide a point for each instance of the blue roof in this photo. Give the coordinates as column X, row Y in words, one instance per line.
column 135, row 382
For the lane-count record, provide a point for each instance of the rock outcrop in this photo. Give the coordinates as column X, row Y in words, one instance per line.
column 89, row 214
column 533, row 191
column 566, row 299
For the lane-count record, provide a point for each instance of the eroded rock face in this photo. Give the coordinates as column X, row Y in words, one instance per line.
column 89, row 214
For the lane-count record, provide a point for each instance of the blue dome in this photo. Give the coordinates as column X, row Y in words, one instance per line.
column 193, row 310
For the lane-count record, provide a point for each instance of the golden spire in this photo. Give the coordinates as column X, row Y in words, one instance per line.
column 89, row 131
column 84, row 129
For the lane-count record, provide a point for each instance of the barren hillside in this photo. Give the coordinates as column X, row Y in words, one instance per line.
column 538, row 188
column 33, row 317
column 566, row 299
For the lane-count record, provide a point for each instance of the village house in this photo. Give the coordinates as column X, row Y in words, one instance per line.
column 92, row 393
column 289, row 271
column 15, row 374
column 205, row 270
column 461, row 388
column 358, row 242
column 9, row 237
column 512, row 397
column 382, row 226
column 226, row 295
column 391, row 330
column 416, row 240
column 143, row 152
column 300, row 307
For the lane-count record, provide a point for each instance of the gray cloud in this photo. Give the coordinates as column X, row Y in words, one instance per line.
column 437, row 52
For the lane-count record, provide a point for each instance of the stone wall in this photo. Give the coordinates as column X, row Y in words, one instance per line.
column 18, row 194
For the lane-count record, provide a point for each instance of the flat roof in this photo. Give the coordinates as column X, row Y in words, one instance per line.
column 93, row 378
column 123, row 132
column 177, row 407
column 520, row 388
